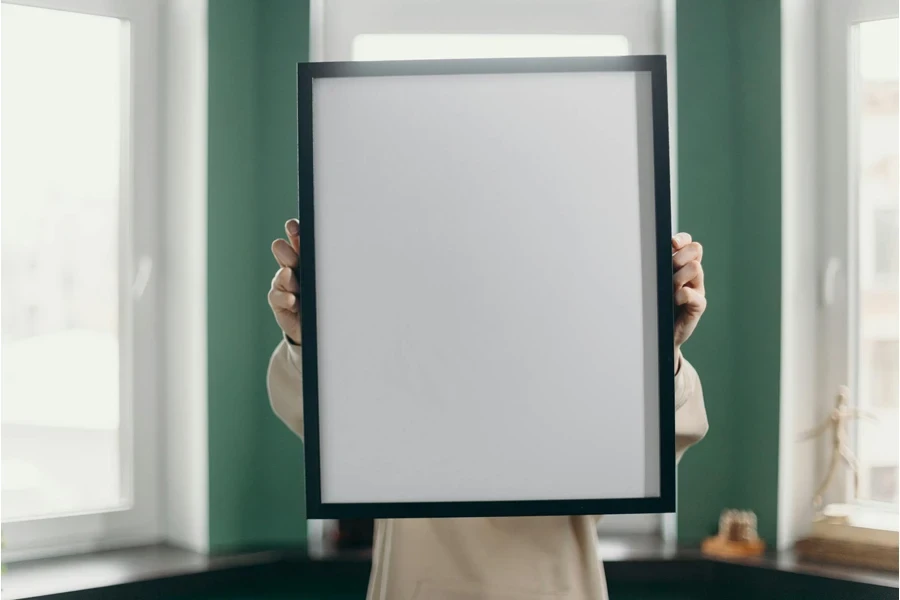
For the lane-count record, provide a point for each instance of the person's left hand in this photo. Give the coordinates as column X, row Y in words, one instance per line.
column 690, row 294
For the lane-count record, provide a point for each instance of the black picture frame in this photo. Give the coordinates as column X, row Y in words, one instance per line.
column 665, row 501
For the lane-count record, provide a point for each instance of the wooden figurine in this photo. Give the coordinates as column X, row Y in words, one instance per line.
column 836, row 421
column 838, row 534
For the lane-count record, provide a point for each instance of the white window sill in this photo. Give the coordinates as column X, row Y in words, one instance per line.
column 859, row 523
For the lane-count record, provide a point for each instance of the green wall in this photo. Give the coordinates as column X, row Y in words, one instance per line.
column 706, row 208
column 255, row 464
column 284, row 41
column 757, row 243
column 729, row 157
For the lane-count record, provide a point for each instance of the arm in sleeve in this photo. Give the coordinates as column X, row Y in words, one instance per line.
column 690, row 413
column 285, row 383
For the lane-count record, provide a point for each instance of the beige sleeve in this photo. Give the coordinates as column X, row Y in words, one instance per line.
column 690, row 413
column 285, row 383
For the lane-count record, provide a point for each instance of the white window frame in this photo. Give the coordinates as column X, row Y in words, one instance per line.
column 838, row 220
column 649, row 26
column 139, row 310
column 816, row 247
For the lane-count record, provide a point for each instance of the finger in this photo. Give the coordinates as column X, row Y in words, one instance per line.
column 681, row 240
column 693, row 251
column 292, row 228
column 284, row 254
column 698, row 282
column 286, row 281
column 690, row 275
column 690, row 300
column 283, row 301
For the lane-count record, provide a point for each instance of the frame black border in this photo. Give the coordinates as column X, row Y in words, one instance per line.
column 665, row 502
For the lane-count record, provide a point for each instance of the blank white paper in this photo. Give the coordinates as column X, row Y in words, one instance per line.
column 486, row 299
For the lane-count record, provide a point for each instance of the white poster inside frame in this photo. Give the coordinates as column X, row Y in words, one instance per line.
column 486, row 287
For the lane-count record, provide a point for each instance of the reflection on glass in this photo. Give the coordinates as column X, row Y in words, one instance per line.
column 876, row 165
column 61, row 97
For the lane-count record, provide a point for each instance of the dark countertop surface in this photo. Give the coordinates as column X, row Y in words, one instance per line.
column 626, row 559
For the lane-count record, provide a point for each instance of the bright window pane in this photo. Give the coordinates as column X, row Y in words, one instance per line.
column 877, row 174
column 60, row 133
column 437, row 46
column 886, row 257
column 882, row 484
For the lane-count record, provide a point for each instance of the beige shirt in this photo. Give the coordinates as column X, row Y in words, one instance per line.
column 515, row 558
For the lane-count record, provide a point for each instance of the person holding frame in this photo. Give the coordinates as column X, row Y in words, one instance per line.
column 513, row 558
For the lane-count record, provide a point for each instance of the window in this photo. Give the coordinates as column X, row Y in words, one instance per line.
column 875, row 113
column 410, row 29
column 859, row 235
column 78, row 227
column 61, row 166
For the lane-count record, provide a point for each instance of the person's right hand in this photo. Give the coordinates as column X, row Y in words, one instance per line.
column 284, row 294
